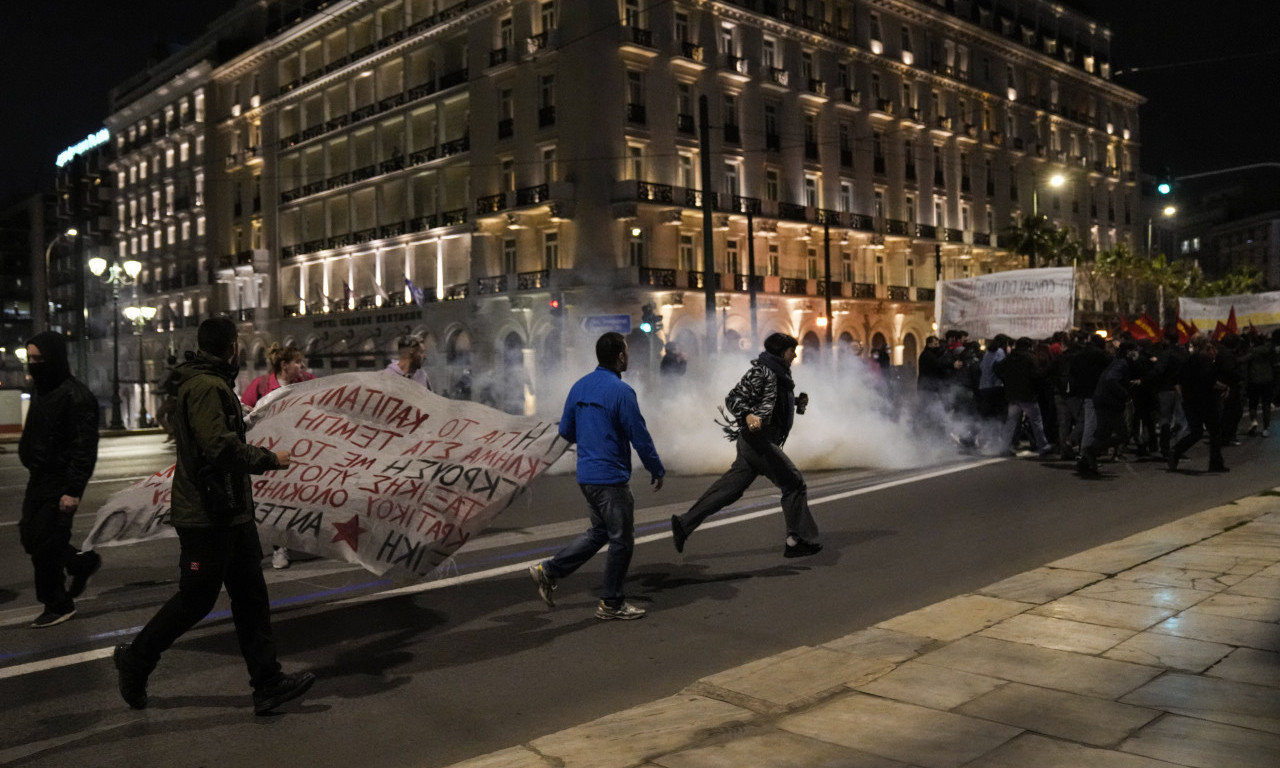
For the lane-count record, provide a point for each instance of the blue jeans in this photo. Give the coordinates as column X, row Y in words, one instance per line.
column 612, row 523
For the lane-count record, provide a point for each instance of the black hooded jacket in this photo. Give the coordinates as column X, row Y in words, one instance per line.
column 59, row 443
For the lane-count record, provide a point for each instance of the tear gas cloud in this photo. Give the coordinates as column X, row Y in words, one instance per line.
column 853, row 420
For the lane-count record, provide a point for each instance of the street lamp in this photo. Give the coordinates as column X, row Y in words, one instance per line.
column 115, row 275
column 1168, row 212
column 140, row 316
column 1056, row 180
column 48, row 287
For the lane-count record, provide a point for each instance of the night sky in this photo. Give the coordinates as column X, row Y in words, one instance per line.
column 1209, row 70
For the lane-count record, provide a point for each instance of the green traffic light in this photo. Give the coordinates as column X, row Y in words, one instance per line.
column 646, row 327
column 1164, row 187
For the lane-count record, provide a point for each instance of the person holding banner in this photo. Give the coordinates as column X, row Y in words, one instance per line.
column 59, row 447
column 409, row 362
column 288, row 366
column 602, row 416
column 212, row 511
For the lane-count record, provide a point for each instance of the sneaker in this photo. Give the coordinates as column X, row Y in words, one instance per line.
column 130, row 678
column 52, row 618
column 801, row 549
column 626, row 611
column 80, row 580
column 546, row 584
column 1253, row 429
column 280, row 558
column 677, row 533
column 285, row 688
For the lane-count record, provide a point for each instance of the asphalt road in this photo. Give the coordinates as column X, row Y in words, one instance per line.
column 426, row 675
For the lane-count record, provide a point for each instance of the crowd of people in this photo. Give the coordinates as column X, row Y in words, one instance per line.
column 1084, row 397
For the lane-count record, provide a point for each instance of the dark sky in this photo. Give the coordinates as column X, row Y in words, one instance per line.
column 1210, row 72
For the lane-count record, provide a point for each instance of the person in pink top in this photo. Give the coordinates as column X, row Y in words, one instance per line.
column 288, row 366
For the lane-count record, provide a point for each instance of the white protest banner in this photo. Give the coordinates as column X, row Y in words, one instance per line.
column 1257, row 308
column 1023, row 302
column 384, row 473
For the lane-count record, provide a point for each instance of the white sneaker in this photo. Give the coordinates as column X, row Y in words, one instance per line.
column 280, row 558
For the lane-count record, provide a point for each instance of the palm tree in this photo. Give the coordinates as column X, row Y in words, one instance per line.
column 1030, row 237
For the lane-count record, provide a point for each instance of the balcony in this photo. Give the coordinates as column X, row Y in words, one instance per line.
column 497, row 56
column 491, row 203
column 885, row 105
column 533, row 195
column 736, row 64
column 773, row 142
column 850, row 96
column 778, row 76
column 641, row 37
column 636, row 114
column 793, row 286
column 897, row 227
column 696, row 282
column 530, row 281
column 817, row 87
column 826, row 216
column 546, row 116
column 748, row 283
column 655, row 193
column 810, row 149
column 658, row 278
column 846, row 157
column 864, row 290
column 691, row 51
column 732, row 134
column 506, row 128
column 684, row 123
column 862, row 222
column 536, row 43
column 746, row 205
column 926, row 231
column 792, row 212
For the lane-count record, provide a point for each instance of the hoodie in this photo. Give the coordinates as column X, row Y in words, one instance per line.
column 59, row 443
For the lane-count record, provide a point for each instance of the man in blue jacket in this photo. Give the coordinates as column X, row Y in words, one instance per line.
column 602, row 416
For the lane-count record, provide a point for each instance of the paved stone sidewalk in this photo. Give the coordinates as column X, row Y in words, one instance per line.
column 1162, row 649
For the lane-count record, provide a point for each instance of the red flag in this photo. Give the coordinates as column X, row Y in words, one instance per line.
column 1124, row 326
column 1186, row 330
column 1219, row 331
column 1145, row 327
column 1231, row 321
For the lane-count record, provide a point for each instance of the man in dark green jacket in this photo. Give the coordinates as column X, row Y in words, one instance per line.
column 212, row 510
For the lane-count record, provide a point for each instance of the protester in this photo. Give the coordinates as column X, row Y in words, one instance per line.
column 1021, row 374
column 674, row 363
column 763, row 405
column 1203, row 392
column 287, row 367
column 212, row 511
column 1170, row 357
column 409, row 362
column 59, row 447
column 1109, row 400
column 1259, row 362
column 602, row 416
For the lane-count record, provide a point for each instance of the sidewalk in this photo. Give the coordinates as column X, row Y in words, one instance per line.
column 1156, row 650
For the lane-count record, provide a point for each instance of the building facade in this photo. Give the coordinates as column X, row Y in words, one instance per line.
column 372, row 168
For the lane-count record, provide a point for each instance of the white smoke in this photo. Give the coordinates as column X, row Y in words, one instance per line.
column 855, row 418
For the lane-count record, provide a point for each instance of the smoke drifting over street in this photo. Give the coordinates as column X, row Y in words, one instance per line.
column 851, row 422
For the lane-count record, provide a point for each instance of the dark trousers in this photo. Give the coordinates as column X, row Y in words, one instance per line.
column 757, row 456
column 1260, row 397
column 1109, row 433
column 45, row 532
column 1202, row 417
column 211, row 558
column 613, row 523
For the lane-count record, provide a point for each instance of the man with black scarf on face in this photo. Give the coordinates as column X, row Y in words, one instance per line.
column 59, row 447
column 764, row 405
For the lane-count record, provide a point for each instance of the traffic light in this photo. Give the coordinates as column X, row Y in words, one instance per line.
column 650, row 320
column 556, row 303
column 1164, row 183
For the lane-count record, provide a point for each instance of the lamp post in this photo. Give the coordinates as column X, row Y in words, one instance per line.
column 140, row 316
column 1056, row 180
column 48, row 287
column 115, row 275
column 1168, row 212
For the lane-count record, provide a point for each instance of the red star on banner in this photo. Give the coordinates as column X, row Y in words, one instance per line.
column 349, row 532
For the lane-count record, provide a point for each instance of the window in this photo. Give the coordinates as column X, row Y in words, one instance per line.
column 635, row 246
column 635, row 88
column 811, row 264
column 911, row 273
column 811, row 197
column 686, row 175
column 880, row 270
column 730, row 184
column 771, row 185
column 682, row 27
column 186, row 230
column 506, row 34
column 939, row 214
column 769, row 53
column 547, row 91
column 771, row 261
column 875, row 27
column 550, row 250
column 726, row 41
column 506, row 108
column 730, row 109
column 846, row 267
column 806, row 68
column 548, row 15
column 732, row 258
column 770, row 120
column 906, row 39
column 635, row 162
column 548, row 164
column 184, row 152
column 509, row 256
column 684, row 101
column 631, row 13
column 508, row 174
column 911, row 209
column 846, row 196
column 966, row 217
column 688, row 254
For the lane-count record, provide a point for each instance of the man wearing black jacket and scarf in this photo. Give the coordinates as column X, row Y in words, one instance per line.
column 59, row 447
column 764, row 405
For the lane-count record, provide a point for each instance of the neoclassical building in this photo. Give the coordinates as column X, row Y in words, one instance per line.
column 338, row 174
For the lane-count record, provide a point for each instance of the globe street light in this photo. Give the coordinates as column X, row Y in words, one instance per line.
column 140, row 316
column 115, row 275
column 48, row 287
column 1056, row 180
